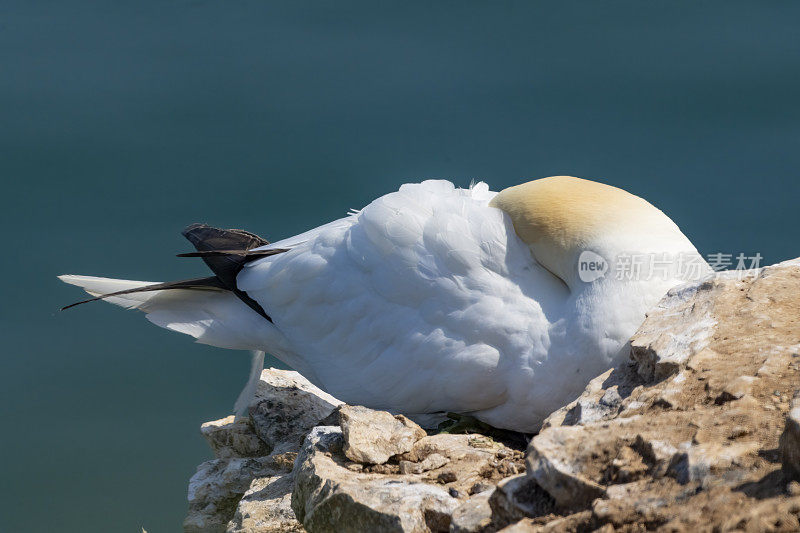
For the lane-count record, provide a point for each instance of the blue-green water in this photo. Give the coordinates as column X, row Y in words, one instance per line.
column 122, row 122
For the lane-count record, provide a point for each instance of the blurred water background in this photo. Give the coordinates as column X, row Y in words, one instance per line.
column 121, row 122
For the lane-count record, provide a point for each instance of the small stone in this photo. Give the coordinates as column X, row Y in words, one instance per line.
column 517, row 497
column 385, row 468
column 479, row 487
column 550, row 462
column 374, row 436
column 410, row 467
column 432, row 462
column 472, row 516
column 447, row 477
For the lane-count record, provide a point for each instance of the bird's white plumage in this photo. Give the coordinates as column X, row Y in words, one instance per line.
column 426, row 300
column 416, row 304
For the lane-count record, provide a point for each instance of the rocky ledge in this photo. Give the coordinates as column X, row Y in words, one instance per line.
column 700, row 430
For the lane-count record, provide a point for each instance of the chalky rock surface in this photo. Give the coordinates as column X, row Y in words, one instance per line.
column 401, row 478
column 473, row 515
column 375, row 436
column 248, row 486
column 216, row 488
column 286, row 407
column 686, row 435
column 266, row 507
column 699, row 431
column 329, row 497
column 334, row 493
column 232, row 437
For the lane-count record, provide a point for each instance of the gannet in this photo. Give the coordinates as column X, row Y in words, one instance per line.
column 434, row 298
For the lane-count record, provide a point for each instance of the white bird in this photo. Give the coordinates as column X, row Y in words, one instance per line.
column 433, row 298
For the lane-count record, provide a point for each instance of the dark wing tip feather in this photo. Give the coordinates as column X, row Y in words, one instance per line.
column 254, row 254
column 206, row 238
column 226, row 251
column 214, row 244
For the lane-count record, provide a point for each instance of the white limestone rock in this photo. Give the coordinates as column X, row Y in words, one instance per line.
column 266, row 507
column 216, row 488
column 285, row 408
column 233, row 437
column 328, row 497
column 372, row 437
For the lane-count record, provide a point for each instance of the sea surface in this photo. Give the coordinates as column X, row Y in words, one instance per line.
column 122, row 122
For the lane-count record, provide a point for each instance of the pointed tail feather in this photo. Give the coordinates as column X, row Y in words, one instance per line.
column 123, row 292
column 136, row 286
column 211, row 315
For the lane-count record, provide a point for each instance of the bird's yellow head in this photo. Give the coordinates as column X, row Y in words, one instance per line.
column 561, row 216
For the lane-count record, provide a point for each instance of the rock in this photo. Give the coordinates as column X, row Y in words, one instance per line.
column 687, row 434
column 266, row 507
column 248, row 486
column 408, row 481
column 217, row 487
column 328, row 497
column 519, row 497
column 696, row 463
column 372, row 437
column 232, row 437
column 602, row 398
column 432, row 462
column 419, row 493
column 789, row 443
column 472, row 516
column 556, row 464
column 680, row 326
column 285, row 408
